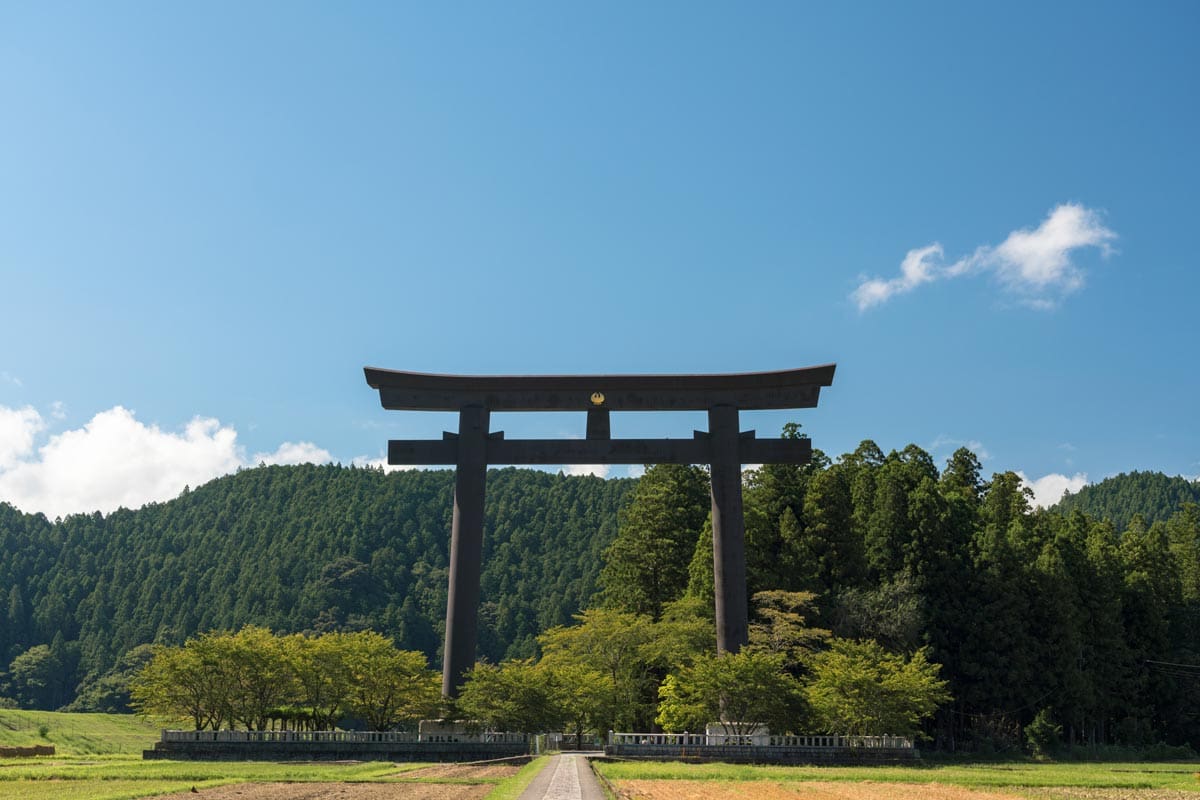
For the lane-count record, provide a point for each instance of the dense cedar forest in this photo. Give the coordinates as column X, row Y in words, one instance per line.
column 1067, row 612
column 1153, row 495
column 295, row 549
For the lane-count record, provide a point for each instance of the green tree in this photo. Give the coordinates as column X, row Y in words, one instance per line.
column 391, row 687
column 646, row 566
column 859, row 688
column 256, row 673
column 321, row 666
column 780, row 625
column 740, row 690
column 33, row 677
column 513, row 696
column 181, row 683
column 890, row 613
column 582, row 693
column 109, row 693
column 1043, row 734
column 614, row 644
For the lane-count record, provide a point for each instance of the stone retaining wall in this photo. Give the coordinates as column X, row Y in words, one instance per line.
column 335, row 751
column 755, row 754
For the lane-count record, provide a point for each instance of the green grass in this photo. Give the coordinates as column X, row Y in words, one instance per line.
column 511, row 788
column 99, row 757
column 78, row 734
column 126, row 777
column 979, row 776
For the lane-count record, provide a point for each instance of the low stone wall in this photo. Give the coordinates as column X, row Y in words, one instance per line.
column 760, row 754
column 24, row 752
column 334, row 751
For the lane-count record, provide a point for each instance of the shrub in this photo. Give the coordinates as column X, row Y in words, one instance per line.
column 1043, row 735
column 1166, row 752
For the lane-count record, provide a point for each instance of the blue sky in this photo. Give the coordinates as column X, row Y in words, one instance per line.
column 212, row 216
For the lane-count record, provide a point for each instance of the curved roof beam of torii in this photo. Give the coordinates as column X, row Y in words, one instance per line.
column 747, row 391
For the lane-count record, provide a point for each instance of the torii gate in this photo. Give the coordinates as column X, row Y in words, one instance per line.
column 474, row 447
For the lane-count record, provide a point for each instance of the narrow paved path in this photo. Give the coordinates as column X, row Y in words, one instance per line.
column 565, row 777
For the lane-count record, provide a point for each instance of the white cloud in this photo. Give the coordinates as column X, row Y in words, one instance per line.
column 18, row 427
column 599, row 470
column 114, row 461
column 919, row 266
column 636, row 470
column 1049, row 489
column 295, row 453
column 1035, row 265
column 380, row 463
column 117, row 461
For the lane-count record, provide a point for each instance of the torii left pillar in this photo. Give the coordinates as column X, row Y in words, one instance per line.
column 466, row 548
column 729, row 530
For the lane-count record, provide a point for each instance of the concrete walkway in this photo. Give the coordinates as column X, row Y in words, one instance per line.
column 566, row 777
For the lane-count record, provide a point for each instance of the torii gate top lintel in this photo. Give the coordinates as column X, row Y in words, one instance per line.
column 747, row 391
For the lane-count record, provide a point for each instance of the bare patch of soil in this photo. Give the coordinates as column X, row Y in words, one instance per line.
column 463, row 771
column 337, row 791
column 1080, row 793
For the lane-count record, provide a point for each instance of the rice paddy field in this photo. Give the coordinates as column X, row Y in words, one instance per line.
column 98, row 757
column 989, row 781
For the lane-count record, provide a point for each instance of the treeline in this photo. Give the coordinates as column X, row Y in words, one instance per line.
column 1152, row 495
column 1027, row 611
column 256, row 681
column 1061, row 617
column 295, row 549
column 625, row 671
column 594, row 675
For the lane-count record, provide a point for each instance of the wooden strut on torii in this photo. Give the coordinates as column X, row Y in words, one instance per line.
column 723, row 447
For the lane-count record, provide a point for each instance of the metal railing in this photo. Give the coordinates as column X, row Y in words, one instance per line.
column 765, row 740
column 339, row 737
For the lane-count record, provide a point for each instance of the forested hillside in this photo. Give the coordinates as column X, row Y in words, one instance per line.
column 1091, row 623
column 1025, row 610
column 1152, row 494
column 301, row 548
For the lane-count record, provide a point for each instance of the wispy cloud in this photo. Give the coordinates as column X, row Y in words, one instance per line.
column 943, row 443
column 1049, row 489
column 295, row 453
column 9, row 378
column 1034, row 265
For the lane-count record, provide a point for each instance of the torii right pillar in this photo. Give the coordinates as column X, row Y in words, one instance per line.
column 729, row 530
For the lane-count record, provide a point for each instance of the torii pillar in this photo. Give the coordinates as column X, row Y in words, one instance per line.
column 724, row 447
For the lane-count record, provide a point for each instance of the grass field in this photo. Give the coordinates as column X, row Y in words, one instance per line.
column 78, row 734
column 126, row 778
column 99, row 757
column 989, row 781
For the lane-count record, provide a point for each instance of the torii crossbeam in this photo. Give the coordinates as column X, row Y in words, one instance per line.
column 723, row 447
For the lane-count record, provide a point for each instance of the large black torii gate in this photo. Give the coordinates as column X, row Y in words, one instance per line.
column 723, row 447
